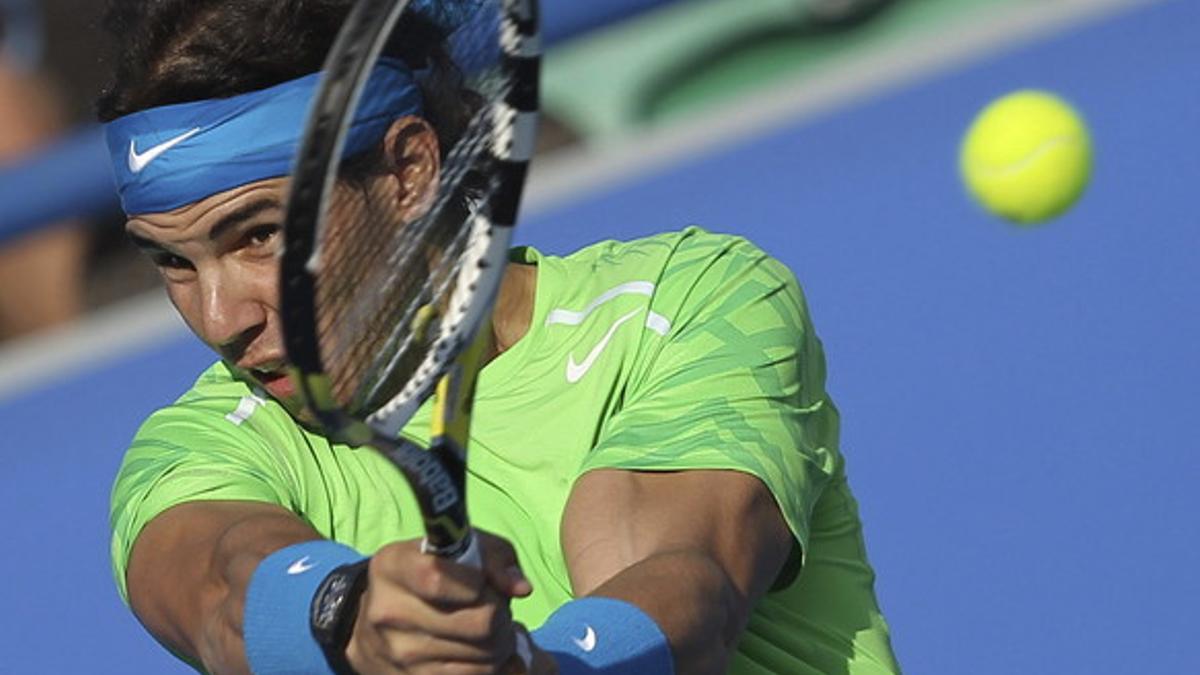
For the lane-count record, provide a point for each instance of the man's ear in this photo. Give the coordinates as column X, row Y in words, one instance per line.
column 414, row 163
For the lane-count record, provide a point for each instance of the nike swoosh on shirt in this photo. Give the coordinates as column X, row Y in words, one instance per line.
column 575, row 371
column 140, row 160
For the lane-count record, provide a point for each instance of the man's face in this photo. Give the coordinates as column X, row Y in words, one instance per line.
column 219, row 259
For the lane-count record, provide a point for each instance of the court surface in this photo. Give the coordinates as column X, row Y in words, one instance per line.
column 1019, row 407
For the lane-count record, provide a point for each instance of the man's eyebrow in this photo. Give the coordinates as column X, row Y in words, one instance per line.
column 234, row 218
column 228, row 221
column 143, row 243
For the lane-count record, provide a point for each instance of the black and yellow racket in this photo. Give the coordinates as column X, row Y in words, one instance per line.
column 385, row 305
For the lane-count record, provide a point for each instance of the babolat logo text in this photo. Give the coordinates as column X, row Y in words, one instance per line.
column 428, row 473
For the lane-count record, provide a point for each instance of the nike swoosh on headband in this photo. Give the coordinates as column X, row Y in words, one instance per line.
column 139, row 161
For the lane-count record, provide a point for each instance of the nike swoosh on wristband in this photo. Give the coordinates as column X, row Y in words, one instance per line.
column 140, row 160
column 300, row 566
column 576, row 371
column 588, row 642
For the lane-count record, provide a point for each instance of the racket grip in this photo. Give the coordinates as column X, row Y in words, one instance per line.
column 524, row 650
column 471, row 554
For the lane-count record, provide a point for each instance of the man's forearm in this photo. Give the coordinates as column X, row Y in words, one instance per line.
column 692, row 600
column 693, row 550
column 238, row 553
column 189, row 572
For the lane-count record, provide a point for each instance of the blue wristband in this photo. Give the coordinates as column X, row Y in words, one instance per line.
column 590, row 636
column 276, row 625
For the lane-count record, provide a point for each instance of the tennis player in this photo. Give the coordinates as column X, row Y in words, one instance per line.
column 653, row 454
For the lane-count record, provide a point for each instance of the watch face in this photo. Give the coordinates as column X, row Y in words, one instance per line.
column 330, row 598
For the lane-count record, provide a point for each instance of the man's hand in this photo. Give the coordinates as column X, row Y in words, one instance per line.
column 425, row 614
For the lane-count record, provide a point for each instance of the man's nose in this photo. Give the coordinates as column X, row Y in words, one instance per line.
column 231, row 314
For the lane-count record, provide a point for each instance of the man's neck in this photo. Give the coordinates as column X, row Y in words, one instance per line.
column 513, row 311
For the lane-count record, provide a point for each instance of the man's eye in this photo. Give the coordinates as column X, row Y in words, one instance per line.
column 261, row 235
column 172, row 261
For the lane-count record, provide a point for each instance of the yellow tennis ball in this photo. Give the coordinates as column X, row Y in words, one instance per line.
column 1027, row 157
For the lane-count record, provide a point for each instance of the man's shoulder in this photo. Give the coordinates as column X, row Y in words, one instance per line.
column 215, row 380
column 214, row 389
column 216, row 402
column 664, row 262
column 664, row 248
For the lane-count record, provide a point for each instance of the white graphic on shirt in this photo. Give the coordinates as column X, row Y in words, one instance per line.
column 575, row 371
column 572, row 318
column 568, row 317
column 658, row 323
column 245, row 409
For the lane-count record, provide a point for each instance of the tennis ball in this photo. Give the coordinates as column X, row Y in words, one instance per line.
column 1027, row 157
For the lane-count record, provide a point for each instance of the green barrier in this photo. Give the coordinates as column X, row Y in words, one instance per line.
column 686, row 56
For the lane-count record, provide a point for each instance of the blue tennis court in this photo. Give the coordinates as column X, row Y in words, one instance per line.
column 1018, row 405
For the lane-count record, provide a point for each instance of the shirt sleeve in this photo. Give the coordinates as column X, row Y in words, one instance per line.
column 185, row 453
column 737, row 382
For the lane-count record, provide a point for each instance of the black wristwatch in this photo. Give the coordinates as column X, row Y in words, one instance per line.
column 334, row 609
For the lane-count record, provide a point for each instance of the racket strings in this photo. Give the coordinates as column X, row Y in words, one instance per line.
column 371, row 367
column 361, row 310
column 355, row 263
column 374, row 284
column 350, row 246
column 408, row 331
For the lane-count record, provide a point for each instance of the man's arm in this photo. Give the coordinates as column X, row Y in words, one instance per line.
column 693, row 549
column 191, row 566
column 189, row 570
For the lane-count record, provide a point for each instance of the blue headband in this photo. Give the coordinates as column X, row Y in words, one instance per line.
column 173, row 155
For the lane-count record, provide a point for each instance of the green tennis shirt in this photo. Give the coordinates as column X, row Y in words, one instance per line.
column 681, row 351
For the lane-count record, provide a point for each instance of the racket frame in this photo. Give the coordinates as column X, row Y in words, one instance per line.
column 437, row 475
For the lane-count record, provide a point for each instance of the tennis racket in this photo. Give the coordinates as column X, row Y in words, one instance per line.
column 383, row 304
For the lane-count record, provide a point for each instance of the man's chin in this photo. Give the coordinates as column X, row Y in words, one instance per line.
column 298, row 411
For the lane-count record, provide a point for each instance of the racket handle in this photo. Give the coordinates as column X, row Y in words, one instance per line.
column 524, row 650
column 470, row 554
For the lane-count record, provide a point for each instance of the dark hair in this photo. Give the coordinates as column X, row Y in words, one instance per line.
column 176, row 51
